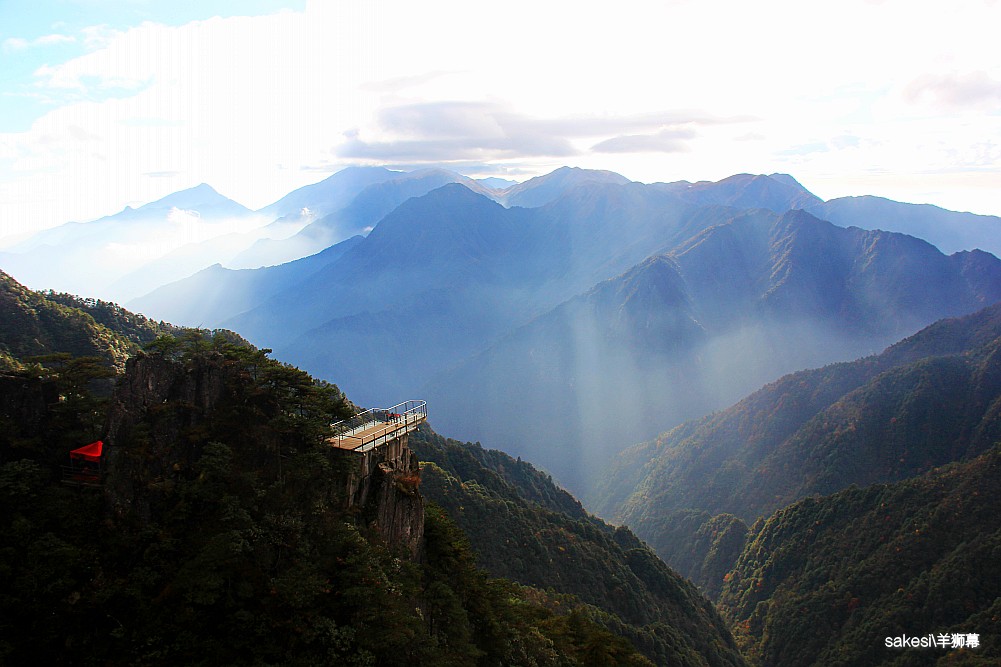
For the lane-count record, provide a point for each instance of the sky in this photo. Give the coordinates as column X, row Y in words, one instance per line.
column 105, row 104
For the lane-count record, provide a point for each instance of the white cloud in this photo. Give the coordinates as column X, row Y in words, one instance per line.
column 182, row 217
column 956, row 90
column 666, row 141
column 15, row 44
column 98, row 36
column 12, row 44
column 49, row 40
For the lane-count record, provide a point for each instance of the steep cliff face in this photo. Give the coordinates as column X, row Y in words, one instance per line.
column 387, row 495
column 383, row 486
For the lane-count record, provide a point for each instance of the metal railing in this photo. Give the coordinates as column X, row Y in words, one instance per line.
column 375, row 426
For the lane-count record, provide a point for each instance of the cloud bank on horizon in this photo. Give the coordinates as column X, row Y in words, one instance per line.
column 109, row 104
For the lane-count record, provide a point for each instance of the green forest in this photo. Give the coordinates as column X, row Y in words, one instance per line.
column 522, row 527
column 826, row 580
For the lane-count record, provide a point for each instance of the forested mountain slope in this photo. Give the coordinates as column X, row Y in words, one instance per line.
column 928, row 400
column 220, row 534
column 522, row 527
column 827, row 580
column 37, row 324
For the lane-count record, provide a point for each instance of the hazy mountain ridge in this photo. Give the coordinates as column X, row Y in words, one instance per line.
column 399, row 254
column 216, row 294
column 542, row 190
column 950, row 231
column 332, row 193
column 682, row 334
column 92, row 258
column 778, row 192
column 356, row 212
column 201, row 198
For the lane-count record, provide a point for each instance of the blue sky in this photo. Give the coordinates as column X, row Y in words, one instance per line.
column 108, row 104
column 43, row 32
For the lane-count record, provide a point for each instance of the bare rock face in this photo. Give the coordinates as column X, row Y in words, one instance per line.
column 383, row 485
column 399, row 505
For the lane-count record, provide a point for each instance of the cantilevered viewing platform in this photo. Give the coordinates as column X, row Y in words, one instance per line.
column 376, row 426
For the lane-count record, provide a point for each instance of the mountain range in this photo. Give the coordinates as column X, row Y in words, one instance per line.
column 598, row 310
column 694, row 329
column 129, row 254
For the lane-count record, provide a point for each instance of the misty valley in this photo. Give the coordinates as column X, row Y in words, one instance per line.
column 686, row 423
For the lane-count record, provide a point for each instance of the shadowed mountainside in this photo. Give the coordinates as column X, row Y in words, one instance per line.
column 928, row 400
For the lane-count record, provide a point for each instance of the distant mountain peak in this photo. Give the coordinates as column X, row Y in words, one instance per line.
column 544, row 189
column 202, row 190
column 776, row 192
column 599, row 174
column 452, row 193
column 199, row 197
column 332, row 193
column 364, row 169
column 786, row 179
column 497, row 183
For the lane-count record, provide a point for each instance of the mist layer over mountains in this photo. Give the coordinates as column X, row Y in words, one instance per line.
column 561, row 319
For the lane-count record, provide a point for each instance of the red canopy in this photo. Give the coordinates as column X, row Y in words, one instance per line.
column 91, row 452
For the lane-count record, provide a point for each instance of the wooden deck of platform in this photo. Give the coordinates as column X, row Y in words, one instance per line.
column 378, row 431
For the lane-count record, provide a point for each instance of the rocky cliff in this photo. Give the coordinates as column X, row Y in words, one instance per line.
column 382, row 485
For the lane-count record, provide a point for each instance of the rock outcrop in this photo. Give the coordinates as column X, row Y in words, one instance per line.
column 383, row 485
